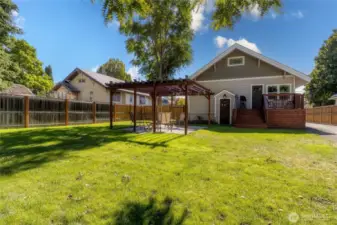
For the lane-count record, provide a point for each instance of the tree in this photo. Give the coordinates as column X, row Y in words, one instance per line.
column 8, row 70
column 159, row 31
column 180, row 101
column 323, row 82
column 225, row 14
column 7, row 25
column 30, row 72
column 49, row 71
column 114, row 68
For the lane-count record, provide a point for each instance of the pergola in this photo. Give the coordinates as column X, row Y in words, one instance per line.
column 179, row 87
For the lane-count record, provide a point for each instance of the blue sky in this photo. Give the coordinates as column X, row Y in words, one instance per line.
column 71, row 33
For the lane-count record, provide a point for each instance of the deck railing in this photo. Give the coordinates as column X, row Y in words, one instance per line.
column 283, row 101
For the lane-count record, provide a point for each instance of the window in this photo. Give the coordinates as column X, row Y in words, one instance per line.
column 81, row 80
column 117, row 97
column 236, row 61
column 142, row 100
column 285, row 88
column 272, row 89
column 278, row 89
column 130, row 99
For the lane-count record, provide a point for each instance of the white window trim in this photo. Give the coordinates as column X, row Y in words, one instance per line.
column 291, row 88
column 236, row 57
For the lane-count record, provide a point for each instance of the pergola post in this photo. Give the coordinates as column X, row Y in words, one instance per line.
column 186, row 108
column 134, row 109
column 111, row 108
column 154, row 108
column 209, row 108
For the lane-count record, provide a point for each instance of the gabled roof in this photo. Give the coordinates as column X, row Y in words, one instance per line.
column 67, row 85
column 18, row 89
column 98, row 77
column 254, row 54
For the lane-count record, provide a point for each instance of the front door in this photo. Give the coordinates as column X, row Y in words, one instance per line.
column 224, row 111
column 257, row 96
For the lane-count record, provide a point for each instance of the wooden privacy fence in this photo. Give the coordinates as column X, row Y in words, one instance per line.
column 323, row 115
column 24, row 111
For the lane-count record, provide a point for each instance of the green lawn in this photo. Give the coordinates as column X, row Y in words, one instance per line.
column 93, row 175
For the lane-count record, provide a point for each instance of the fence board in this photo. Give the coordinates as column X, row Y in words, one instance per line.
column 322, row 115
column 50, row 112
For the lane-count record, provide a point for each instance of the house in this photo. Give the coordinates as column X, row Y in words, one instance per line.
column 18, row 90
column 334, row 97
column 250, row 90
column 90, row 86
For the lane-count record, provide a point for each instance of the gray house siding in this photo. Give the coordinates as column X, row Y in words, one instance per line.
column 251, row 69
column 198, row 106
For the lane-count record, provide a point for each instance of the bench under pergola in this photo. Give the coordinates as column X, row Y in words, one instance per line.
column 177, row 87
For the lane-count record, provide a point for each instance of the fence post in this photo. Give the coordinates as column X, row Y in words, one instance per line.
column 94, row 112
column 66, row 107
column 115, row 110
column 26, row 111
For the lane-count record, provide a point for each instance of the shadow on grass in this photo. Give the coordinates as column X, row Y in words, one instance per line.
column 27, row 149
column 151, row 213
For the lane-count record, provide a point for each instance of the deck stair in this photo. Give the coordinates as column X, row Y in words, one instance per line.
column 249, row 118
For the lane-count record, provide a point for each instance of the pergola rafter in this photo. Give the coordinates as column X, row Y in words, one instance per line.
column 177, row 87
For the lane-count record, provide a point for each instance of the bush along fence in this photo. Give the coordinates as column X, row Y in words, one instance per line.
column 323, row 115
column 24, row 111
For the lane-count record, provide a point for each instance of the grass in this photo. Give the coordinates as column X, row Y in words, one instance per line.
column 93, row 175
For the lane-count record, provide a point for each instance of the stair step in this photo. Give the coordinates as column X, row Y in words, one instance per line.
column 249, row 118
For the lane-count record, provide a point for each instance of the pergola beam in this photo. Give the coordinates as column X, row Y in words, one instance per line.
column 134, row 109
column 112, row 91
column 185, row 87
column 186, row 108
column 154, row 108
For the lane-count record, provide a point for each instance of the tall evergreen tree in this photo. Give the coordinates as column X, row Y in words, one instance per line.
column 114, row 68
column 49, row 71
column 324, row 76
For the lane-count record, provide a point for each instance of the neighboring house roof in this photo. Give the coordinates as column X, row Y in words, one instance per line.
column 18, row 89
column 67, row 85
column 99, row 78
column 254, row 54
column 333, row 97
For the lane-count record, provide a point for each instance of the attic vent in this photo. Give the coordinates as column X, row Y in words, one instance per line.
column 236, row 61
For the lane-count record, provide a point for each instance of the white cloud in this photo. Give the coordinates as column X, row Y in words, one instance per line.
column 209, row 5
column 220, row 42
column 18, row 20
column 114, row 23
column 94, row 69
column 273, row 15
column 299, row 14
column 133, row 71
column 198, row 18
column 15, row 13
column 254, row 12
